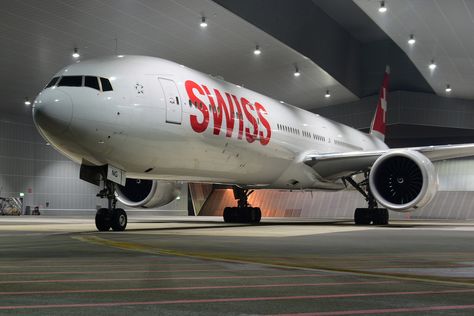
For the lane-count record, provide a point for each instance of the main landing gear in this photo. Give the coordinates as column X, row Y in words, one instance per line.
column 110, row 217
column 372, row 214
column 244, row 212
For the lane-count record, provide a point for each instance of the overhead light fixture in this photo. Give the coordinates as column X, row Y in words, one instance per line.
column 448, row 88
column 382, row 8
column 327, row 95
column 75, row 53
column 297, row 72
column 412, row 39
column 27, row 101
column 203, row 23
column 257, row 50
column 432, row 65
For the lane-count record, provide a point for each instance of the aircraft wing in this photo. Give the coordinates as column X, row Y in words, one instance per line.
column 336, row 165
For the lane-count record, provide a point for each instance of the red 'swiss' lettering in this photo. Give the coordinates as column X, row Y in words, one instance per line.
column 197, row 126
column 241, row 117
column 217, row 117
column 229, row 115
column 264, row 140
column 228, row 109
column 250, row 136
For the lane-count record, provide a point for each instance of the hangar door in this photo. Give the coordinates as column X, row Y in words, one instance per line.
column 172, row 101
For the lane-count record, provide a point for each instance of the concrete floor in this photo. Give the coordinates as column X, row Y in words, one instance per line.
column 200, row 266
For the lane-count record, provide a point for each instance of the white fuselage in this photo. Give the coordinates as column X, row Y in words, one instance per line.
column 165, row 121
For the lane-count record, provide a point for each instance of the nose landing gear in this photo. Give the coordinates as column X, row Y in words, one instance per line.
column 244, row 212
column 111, row 217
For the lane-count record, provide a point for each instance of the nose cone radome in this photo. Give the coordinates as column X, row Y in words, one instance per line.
column 52, row 111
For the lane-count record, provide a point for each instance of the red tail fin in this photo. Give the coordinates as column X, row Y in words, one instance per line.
column 377, row 127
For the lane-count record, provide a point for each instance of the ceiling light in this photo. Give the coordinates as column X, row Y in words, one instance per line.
column 76, row 54
column 432, row 65
column 257, row 50
column 282, row 102
column 327, row 95
column 120, row 56
column 203, row 23
column 297, row 72
column 27, row 101
column 382, row 8
column 448, row 88
column 412, row 40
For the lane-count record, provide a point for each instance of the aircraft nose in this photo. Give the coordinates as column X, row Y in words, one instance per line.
column 52, row 111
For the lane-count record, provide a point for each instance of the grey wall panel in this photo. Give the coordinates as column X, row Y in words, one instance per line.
column 404, row 107
column 28, row 165
column 338, row 205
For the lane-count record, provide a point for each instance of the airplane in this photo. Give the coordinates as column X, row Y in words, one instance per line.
column 137, row 125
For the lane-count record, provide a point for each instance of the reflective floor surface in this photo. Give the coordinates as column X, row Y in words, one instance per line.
column 200, row 266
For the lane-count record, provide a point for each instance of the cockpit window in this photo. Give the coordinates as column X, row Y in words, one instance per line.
column 91, row 82
column 70, row 81
column 106, row 86
column 52, row 82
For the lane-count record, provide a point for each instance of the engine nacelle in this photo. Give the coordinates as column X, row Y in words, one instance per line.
column 401, row 180
column 146, row 193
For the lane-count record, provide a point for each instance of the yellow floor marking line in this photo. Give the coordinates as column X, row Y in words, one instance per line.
column 262, row 261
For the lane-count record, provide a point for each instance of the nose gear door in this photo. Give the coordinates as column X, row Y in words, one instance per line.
column 172, row 101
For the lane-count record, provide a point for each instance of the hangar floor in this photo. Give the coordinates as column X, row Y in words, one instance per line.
column 185, row 266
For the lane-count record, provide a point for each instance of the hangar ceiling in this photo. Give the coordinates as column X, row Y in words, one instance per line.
column 38, row 38
column 443, row 31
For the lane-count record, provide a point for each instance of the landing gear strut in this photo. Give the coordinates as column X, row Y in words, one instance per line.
column 371, row 214
column 111, row 217
column 244, row 212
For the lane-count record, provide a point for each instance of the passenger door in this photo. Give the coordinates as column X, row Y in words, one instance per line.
column 172, row 101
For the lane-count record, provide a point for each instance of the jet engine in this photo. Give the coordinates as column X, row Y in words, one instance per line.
column 146, row 193
column 401, row 180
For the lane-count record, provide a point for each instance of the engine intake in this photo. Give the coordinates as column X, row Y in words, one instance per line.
column 401, row 180
column 146, row 193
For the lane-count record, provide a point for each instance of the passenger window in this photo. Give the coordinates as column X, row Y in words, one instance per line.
column 70, row 81
column 106, row 86
column 91, row 82
column 52, row 82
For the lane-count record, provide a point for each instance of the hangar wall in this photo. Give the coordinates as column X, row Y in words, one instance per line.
column 405, row 107
column 455, row 200
column 48, row 179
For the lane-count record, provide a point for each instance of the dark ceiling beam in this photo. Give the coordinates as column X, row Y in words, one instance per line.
column 339, row 37
column 307, row 29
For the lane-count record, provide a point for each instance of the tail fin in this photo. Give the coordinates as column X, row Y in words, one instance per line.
column 377, row 128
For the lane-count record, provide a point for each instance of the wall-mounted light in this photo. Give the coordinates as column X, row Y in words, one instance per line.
column 75, row 53
column 327, row 95
column 297, row 72
column 448, row 88
column 412, row 39
column 27, row 101
column 257, row 50
column 203, row 23
column 432, row 65
column 382, row 8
